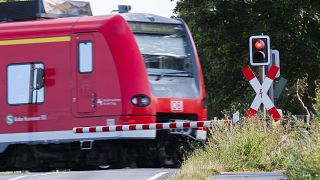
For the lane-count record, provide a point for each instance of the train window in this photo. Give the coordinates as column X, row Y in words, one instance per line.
column 25, row 83
column 85, row 57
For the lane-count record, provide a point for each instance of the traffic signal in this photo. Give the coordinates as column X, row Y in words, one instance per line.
column 260, row 53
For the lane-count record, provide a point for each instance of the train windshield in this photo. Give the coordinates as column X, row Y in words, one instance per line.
column 164, row 48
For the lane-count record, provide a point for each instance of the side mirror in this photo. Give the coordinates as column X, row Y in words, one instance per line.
column 40, row 79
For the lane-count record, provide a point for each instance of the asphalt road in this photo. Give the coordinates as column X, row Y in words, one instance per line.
column 249, row 176
column 135, row 174
column 114, row 174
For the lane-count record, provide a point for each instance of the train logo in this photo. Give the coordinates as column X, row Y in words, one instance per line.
column 10, row 119
column 176, row 106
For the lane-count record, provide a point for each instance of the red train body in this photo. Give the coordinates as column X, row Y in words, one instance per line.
column 58, row 74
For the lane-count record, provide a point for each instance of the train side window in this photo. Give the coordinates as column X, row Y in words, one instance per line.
column 85, row 57
column 25, row 83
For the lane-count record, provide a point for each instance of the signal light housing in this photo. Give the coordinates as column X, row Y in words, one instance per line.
column 260, row 53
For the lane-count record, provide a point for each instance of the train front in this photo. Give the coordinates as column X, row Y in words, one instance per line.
column 173, row 69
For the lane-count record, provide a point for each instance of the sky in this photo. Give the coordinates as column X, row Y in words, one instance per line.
column 157, row 7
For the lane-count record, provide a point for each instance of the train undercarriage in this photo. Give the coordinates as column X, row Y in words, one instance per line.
column 165, row 151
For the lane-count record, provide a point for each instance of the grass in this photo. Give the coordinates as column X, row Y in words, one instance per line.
column 251, row 146
column 247, row 147
column 304, row 160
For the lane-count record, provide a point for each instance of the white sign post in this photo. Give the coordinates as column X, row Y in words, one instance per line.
column 235, row 117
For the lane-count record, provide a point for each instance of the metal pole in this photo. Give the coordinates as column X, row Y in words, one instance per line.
column 271, row 93
column 273, row 62
column 262, row 75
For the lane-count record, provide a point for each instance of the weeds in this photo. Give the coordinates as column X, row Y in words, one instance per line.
column 251, row 146
column 304, row 159
column 247, row 147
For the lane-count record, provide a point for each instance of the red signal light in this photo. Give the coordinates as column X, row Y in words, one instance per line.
column 259, row 44
column 260, row 52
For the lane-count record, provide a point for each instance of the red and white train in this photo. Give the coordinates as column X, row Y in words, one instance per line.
column 120, row 69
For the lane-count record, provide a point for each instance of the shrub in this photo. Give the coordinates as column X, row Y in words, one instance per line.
column 252, row 146
column 304, row 159
column 247, row 147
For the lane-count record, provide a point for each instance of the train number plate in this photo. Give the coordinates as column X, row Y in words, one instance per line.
column 177, row 106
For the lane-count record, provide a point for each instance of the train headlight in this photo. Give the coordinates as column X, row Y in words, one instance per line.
column 140, row 100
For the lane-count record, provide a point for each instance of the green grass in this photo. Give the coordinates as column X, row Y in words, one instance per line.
column 251, row 146
column 304, row 160
column 247, row 147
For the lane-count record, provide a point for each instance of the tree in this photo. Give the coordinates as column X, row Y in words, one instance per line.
column 221, row 29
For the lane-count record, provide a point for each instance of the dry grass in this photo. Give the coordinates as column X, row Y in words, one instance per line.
column 247, row 147
column 253, row 147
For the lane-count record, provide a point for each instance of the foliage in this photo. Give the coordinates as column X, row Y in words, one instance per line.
column 304, row 159
column 197, row 166
column 251, row 147
column 221, row 30
column 317, row 104
column 246, row 147
column 304, row 162
column 255, row 147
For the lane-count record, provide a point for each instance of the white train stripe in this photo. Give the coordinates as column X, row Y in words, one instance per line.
column 69, row 136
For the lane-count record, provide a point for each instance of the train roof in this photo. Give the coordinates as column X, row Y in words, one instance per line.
column 28, row 18
column 145, row 17
column 54, row 26
column 73, row 24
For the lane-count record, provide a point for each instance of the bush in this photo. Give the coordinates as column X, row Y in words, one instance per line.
column 304, row 159
column 247, row 147
column 252, row 146
column 317, row 104
column 197, row 166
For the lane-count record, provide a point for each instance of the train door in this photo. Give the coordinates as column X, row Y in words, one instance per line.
column 96, row 89
column 85, row 95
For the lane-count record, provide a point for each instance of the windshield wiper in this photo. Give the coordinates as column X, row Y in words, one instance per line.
column 162, row 74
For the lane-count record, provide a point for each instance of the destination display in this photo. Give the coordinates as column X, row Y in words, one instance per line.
column 155, row 28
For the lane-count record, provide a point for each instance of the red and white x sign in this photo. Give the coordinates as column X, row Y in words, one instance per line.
column 261, row 90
